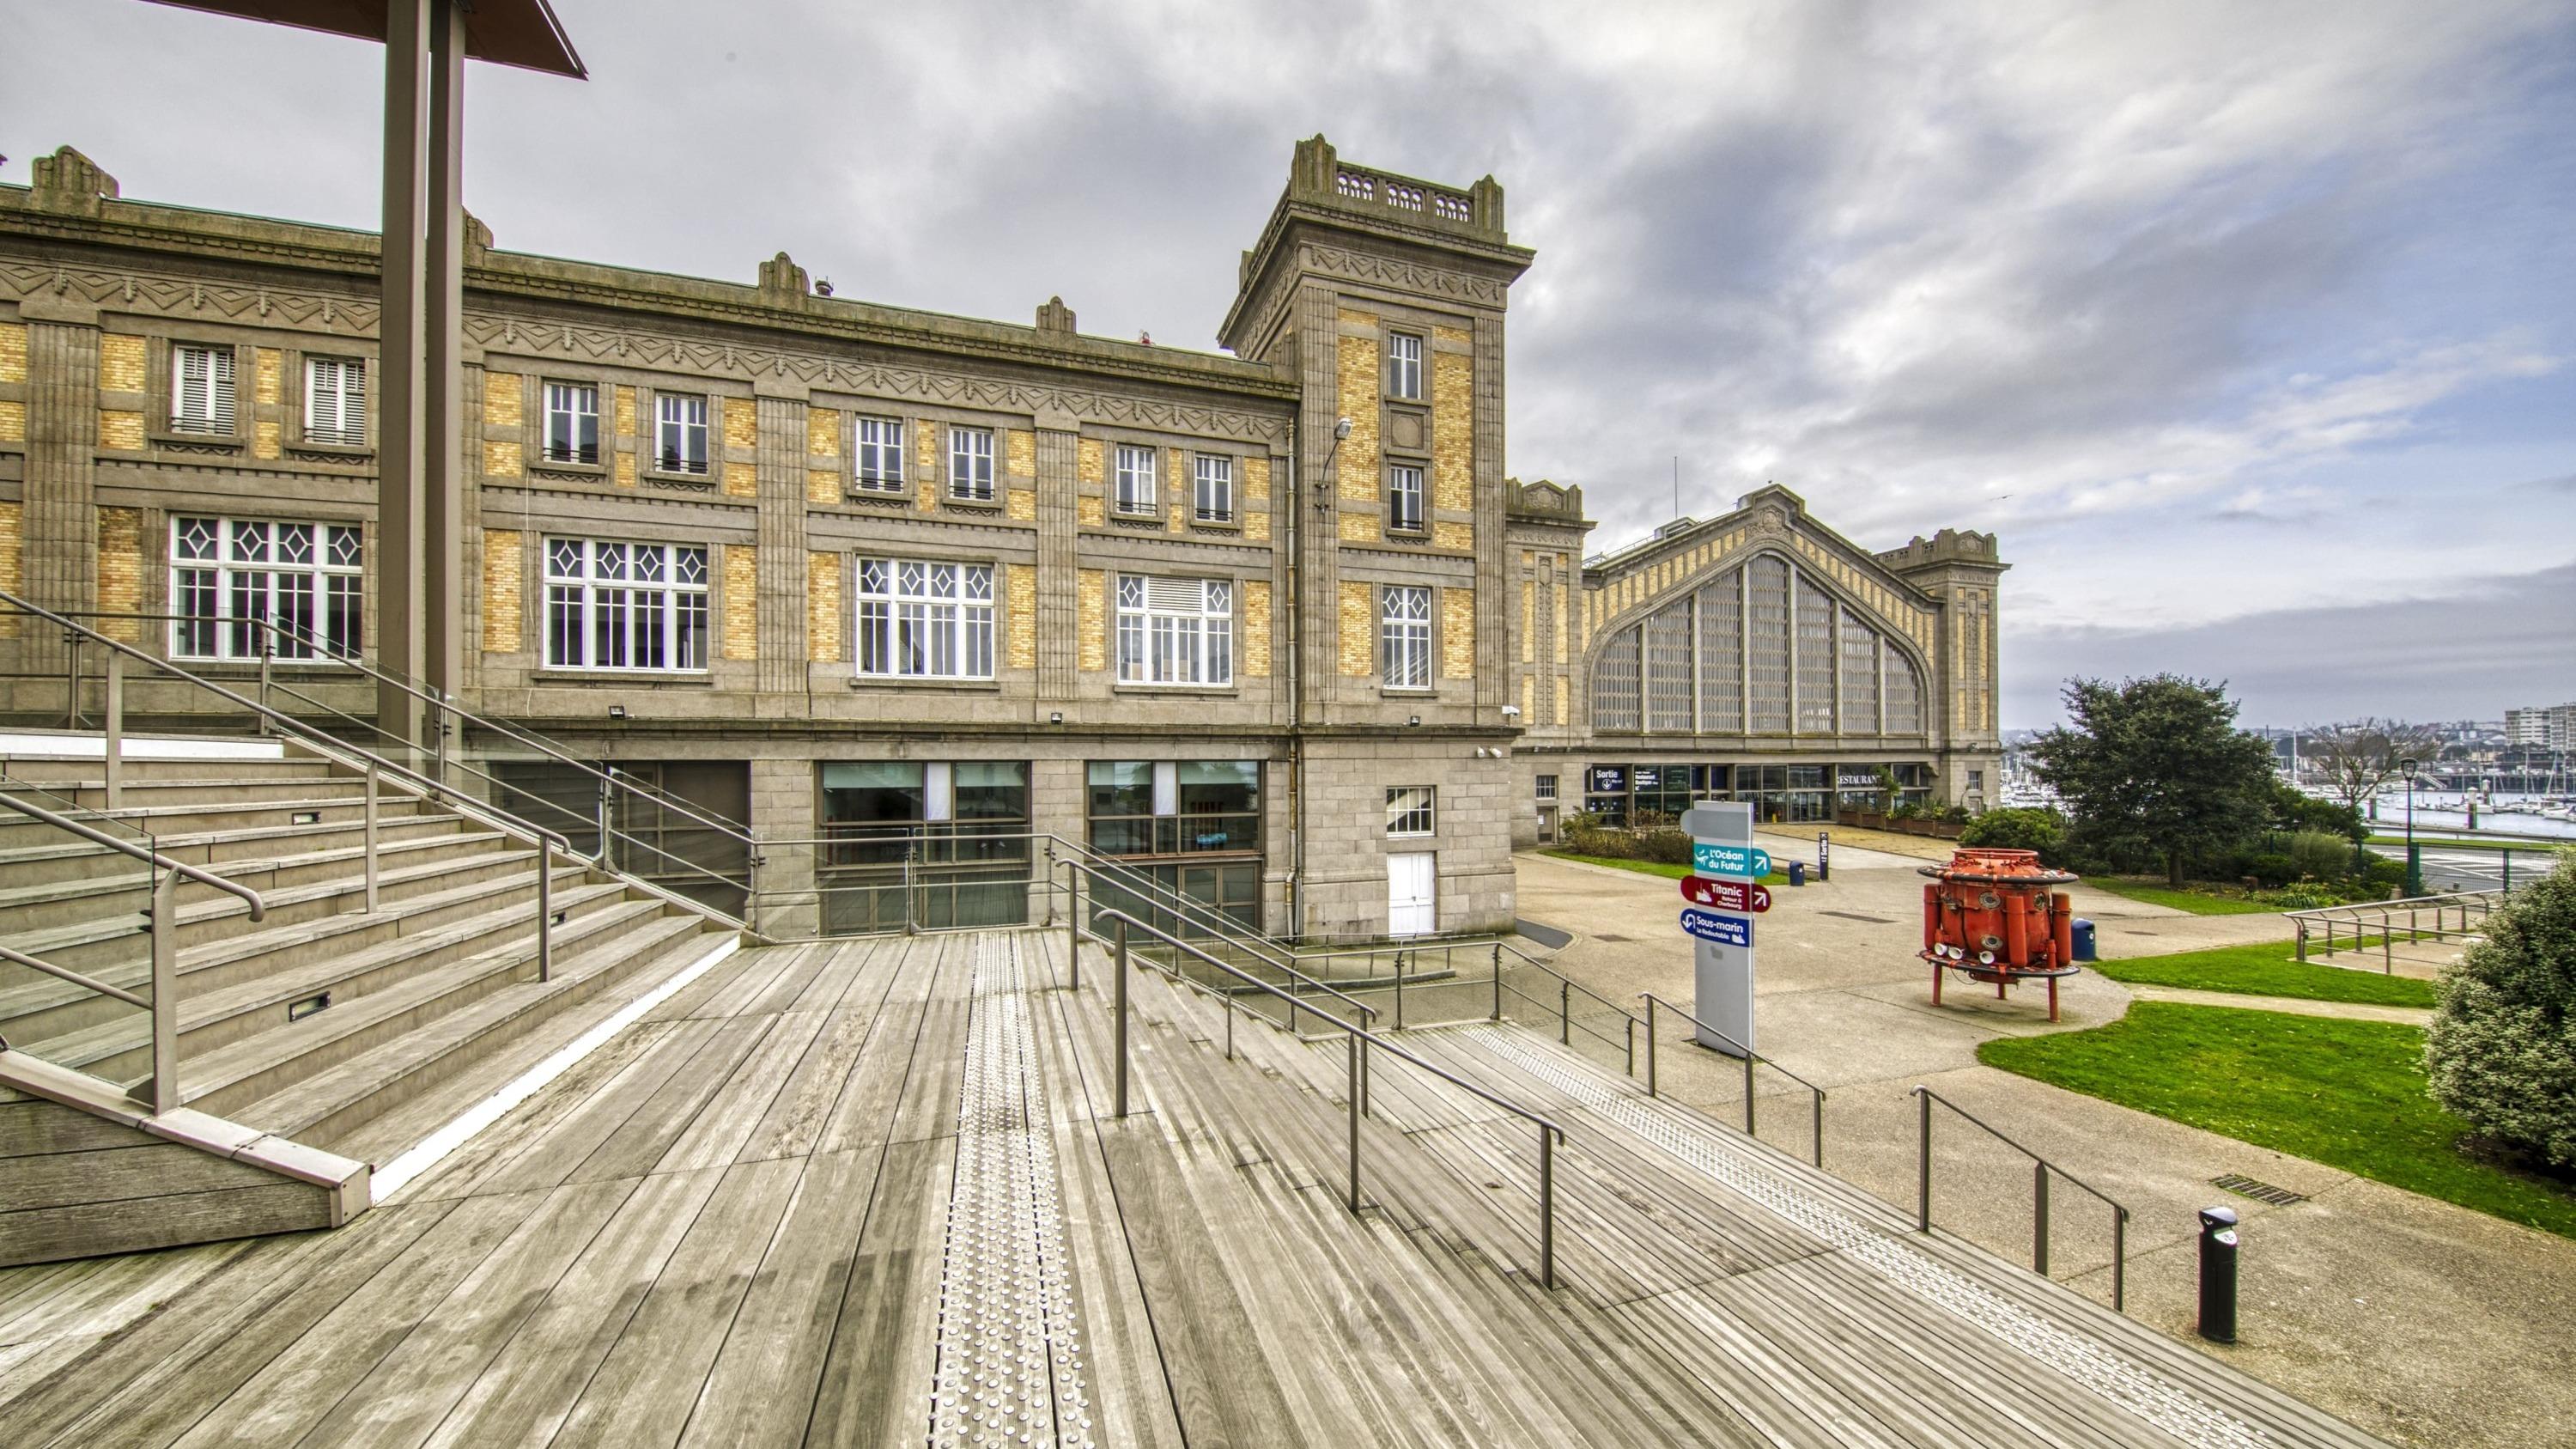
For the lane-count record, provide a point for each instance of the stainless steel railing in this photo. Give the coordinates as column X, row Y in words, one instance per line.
column 163, row 1004
column 1746, row 1054
column 2323, row 920
column 2042, row 1170
column 1359, row 1041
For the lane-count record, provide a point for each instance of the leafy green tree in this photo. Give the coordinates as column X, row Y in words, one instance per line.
column 2294, row 809
column 2020, row 827
column 2155, row 769
column 2501, row 1050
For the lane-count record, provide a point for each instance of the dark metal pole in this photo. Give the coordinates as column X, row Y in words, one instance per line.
column 2119, row 1258
column 1748, row 1091
column 2039, row 1218
column 2218, row 1274
column 1546, row 1208
column 1650, row 1046
column 1923, row 1164
column 1351, row 1046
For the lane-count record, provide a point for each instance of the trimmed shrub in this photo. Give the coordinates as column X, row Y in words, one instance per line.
column 2320, row 856
column 2501, row 1050
column 2019, row 827
column 2271, row 870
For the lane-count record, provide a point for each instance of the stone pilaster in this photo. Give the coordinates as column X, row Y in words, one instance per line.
column 783, row 809
column 61, row 518
column 1493, row 595
column 780, row 464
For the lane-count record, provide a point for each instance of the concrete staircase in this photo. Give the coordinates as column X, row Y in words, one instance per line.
column 343, row 1030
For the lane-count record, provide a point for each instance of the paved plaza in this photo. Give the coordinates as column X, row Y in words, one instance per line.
column 2413, row 1318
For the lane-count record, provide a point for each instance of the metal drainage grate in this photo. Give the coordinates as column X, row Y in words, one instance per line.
column 1857, row 916
column 2244, row 1186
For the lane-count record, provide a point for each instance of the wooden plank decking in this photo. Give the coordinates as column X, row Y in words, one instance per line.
column 743, row 1222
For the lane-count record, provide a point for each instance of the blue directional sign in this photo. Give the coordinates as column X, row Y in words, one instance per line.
column 1723, row 930
column 1744, row 862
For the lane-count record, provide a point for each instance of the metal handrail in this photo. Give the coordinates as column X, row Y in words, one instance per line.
column 2357, row 913
column 358, row 758
column 272, row 629
column 95, row 836
column 1749, row 1056
column 1366, row 1012
column 65, row 973
column 1196, row 912
column 1359, row 1039
column 2041, row 1167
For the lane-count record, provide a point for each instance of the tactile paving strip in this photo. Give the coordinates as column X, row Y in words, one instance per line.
column 2167, row 1406
column 1009, row 1363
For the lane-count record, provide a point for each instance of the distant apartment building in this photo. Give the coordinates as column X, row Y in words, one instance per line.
column 2551, row 727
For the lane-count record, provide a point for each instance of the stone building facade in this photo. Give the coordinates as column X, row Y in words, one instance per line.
column 1271, row 622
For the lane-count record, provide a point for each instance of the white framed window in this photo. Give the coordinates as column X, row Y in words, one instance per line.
column 1404, row 497
column 1404, row 636
column 877, row 467
column 231, row 576
column 1175, row 631
column 1212, row 488
column 1135, row 479
column 923, row 620
column 1408, row 810
column 1547, row 787
column 1404, row 366
column 970, row 464
column 572, row 422
column 680, row 432
column 636, row 606
column 201, row 389
column 335, row 400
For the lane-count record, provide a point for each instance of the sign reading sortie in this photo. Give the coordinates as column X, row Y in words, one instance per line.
column 1723, row 854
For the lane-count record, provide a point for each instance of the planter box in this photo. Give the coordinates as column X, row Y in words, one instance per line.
column 1872, row 820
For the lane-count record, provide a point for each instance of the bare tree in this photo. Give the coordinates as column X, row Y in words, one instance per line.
column 2358, row 757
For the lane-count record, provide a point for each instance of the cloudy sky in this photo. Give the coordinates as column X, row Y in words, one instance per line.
column 2251, row 328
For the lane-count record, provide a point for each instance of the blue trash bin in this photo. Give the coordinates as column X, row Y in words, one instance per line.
column 2083, row 939
column 1797, row 872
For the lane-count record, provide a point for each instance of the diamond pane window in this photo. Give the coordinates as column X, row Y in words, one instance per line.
column 241, row 586
column 1404, row 637
column 1175, row 631
column 625, row 606
column 922, row 620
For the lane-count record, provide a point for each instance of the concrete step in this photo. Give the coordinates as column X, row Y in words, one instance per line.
column 150, row 794
column 333, row 1106
column 123, row 886
column 321, row 806
column 52, row 771
column 67, row 857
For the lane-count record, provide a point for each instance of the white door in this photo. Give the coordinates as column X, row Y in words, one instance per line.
column 1411, row 909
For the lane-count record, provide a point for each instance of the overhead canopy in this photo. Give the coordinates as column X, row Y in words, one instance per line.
column 524, row 33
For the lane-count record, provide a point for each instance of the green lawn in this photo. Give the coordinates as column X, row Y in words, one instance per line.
column 2199, row 903
column 2349, row 1094
column 2268, row 970
column 1655, row 867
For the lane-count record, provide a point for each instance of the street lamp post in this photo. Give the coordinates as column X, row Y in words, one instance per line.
column 2414, row 862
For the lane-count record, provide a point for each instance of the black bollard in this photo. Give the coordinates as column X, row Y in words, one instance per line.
column 2218, row 1274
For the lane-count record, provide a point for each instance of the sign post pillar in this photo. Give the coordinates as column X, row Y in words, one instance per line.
column 1722, row 848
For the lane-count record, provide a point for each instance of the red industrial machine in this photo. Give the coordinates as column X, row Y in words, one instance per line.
column 1991, row 915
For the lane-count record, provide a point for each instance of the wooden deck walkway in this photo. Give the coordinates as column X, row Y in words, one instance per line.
column 871, row 1193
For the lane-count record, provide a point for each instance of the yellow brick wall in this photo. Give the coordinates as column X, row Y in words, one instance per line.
column 1448, row 534
column 502, row 457
column 120, row 362
column 925, row 449
column 741, row 601
column 1179, row 514
column 1454, row 336
column 1358, row 637
column 120, row 572
column 505, row 591
column 1529, row 621
column 1091, row 597
column 503, row 404
column 1356, row 464
column 13, row 421
column 1023, row 454
column 1023, row 503
column 741, row 480
column 1359, row 528
column 823, row 432
column 626, row 470
column 741, row 423
column 1094, row 461
column 1564, row 700
column 1092, row 511
column 268, row 373
column 1256, row 527
column 13, row 556
column 120, row 429
column 1256, row 630
column 1453, row 446
column 1256, row 480
column 625, row 411
column 823, row 629
column 13, row 352
column 1020, row 628
column 822, row 485
column 1457, row 633
column 267, row 438
column 925, row 494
